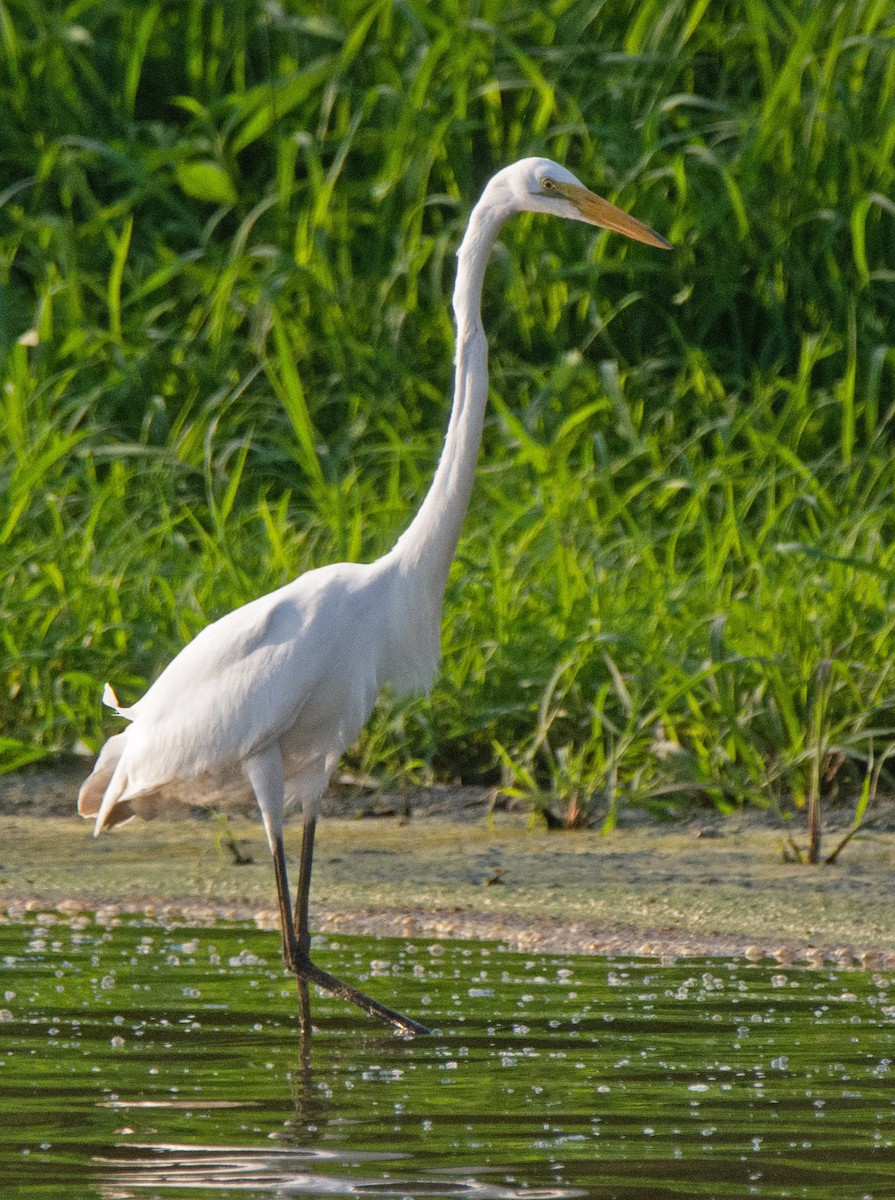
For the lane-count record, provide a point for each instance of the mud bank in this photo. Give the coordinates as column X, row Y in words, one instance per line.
column 454, row 869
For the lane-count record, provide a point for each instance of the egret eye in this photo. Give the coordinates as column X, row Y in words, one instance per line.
column 548, row 185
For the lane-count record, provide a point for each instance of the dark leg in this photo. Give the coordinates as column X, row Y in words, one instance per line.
column 302, row 898
column 295, row 949
column 286, row 925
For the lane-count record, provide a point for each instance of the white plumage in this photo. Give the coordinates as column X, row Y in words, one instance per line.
column 271, row 694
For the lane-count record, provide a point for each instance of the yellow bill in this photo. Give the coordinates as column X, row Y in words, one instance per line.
column 597, row 211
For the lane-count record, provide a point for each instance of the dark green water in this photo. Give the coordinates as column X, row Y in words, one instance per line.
column 142, row 1061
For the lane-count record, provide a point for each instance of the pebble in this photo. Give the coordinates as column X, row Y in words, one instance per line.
column 515, row 931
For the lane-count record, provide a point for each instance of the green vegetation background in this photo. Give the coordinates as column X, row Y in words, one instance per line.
column 226, row 251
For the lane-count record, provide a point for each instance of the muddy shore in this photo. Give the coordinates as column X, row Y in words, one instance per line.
column 454, row 868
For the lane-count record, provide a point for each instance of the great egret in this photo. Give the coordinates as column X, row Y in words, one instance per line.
column 279, row 688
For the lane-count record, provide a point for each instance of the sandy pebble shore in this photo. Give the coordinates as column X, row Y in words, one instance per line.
column 518, row 933
column 708, row 888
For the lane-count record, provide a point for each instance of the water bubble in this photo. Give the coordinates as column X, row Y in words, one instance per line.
column 245, row 958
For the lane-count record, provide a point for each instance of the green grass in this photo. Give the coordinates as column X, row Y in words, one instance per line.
column 226, row 251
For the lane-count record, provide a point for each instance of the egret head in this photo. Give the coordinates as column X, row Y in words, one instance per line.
column 540, row 185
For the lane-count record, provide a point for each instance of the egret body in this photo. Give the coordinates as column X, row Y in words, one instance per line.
column 277, row 689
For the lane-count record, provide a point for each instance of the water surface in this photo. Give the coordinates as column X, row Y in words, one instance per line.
column 138, row 1060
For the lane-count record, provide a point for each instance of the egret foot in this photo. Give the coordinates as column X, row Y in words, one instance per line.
column 296, row 947
column 309, row 972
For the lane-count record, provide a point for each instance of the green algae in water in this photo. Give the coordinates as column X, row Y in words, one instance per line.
column 141, row 1060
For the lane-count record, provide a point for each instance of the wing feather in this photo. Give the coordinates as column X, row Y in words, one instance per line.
column 245, row 680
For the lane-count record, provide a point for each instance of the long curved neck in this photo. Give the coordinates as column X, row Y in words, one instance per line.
column 433, row 534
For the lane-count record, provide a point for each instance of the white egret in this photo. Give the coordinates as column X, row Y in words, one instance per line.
column 279, row 688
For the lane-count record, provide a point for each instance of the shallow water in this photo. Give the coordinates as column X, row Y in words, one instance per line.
column 138, row 1060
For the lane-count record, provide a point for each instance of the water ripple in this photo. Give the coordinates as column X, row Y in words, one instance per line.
column 284, row 1172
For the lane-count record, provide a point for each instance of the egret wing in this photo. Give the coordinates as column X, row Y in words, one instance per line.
column 247, row 679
